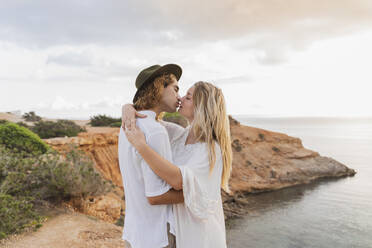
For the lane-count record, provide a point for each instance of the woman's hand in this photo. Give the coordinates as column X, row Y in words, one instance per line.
column 128, row 116
column 135, row 136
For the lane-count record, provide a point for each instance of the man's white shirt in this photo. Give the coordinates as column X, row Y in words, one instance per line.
column 145, row 225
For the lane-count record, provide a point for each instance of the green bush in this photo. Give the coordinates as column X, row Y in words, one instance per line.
column 175, row 114
column 103, row 121
column 22, row 124
column 116, row 124
column 50, row 176
column 61, row 128
column 3, row 122
column 18, row 138
column 31, row 116
column 120, row 221
column 175, row 118
column 17, row 213
column 26, row 181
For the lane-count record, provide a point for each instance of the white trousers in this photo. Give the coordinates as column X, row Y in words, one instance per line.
column 171, row 240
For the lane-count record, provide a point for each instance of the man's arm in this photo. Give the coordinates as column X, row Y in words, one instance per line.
column 170, row 197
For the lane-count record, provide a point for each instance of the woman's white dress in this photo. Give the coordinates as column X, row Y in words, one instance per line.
column 199, row 221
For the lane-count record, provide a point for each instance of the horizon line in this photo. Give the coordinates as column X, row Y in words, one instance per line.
column 233, row 115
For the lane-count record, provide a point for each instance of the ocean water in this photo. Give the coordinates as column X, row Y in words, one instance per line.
column 329, row 213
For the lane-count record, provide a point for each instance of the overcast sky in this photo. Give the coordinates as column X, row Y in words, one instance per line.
column 75, row 59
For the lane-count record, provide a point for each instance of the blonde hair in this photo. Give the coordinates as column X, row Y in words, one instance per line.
column 149, row 95
column 211, row 124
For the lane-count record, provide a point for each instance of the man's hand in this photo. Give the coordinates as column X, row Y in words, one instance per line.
column 129, row 115
column 170, row 197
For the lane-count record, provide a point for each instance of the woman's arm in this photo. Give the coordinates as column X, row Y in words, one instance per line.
column 162, row 167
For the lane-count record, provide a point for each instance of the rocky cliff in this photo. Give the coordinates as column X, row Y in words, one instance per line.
column 265, row 160
column 262, row 161
column 101, row 144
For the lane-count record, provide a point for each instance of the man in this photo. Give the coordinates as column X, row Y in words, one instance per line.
column 149, row 222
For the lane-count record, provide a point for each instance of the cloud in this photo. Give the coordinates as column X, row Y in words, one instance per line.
column 59, row 107
column 44, row 23
column 233, row 80
column 71, row 59
column 48, row 23
column 107, row 102
column 61, row 104
column 105, row 41
column 216, row 19
column 272, row 56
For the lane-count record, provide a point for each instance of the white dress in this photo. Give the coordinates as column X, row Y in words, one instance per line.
column 199, row 221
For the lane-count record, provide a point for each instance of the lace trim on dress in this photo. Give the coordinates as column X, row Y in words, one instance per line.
column 196, row 197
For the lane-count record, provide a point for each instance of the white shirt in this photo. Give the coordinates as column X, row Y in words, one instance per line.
column 199, row 221
column 145, row 225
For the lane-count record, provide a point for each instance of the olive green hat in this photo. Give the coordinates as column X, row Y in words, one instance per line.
column 148, row 75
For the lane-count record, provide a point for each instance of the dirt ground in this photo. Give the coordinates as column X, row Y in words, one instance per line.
column 66, row 228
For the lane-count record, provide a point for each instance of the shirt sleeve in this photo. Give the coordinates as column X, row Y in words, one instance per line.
column 174, row 130
column 201, row 189
column 154, row 185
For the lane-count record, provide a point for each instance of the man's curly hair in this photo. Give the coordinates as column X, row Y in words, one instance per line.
column 149, row 95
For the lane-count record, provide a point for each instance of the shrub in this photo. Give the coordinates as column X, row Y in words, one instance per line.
column 236, row 145
column 120, row 221
column 103, row 121
column 31, row 116
column 50, row 176
column 61, row 128
column 116, row 124
column 18, row 138
column 72, row 176
column 27, row 181
column 22, row 124
column 275, row 149
column 17, row 213
column 3, row 122
column 175, row 114
column 175, row 118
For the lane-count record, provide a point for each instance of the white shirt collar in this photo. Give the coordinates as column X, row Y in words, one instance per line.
column 149, row 113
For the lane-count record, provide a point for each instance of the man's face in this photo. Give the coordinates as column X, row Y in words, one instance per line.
column 170, row 99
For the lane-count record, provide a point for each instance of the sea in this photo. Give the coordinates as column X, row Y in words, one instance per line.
column 327, row 213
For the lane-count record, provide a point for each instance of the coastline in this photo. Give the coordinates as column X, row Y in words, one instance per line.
column 262, row 161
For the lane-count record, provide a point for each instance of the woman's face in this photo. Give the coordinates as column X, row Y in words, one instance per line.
column 187, row 108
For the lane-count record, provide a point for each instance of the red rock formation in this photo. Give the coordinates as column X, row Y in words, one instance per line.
column 101, row 144
column 265, row 160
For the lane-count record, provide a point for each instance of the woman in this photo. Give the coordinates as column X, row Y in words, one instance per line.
column 202, row 163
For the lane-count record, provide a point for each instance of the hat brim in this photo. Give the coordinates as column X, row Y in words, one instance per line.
column 165, row 69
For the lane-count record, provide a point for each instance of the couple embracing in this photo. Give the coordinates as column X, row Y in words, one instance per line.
column 172, row 175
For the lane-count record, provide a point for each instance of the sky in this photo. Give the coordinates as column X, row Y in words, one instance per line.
column 75, row 59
